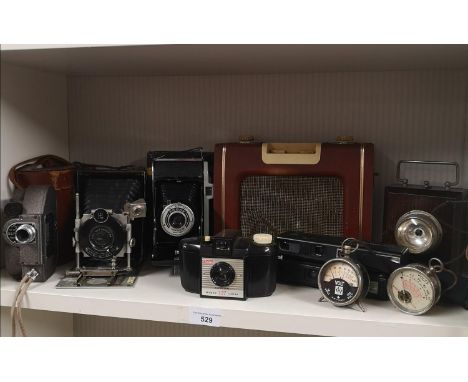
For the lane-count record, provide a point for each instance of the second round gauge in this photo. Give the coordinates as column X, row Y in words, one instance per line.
column 413, row 289
column 342, row 281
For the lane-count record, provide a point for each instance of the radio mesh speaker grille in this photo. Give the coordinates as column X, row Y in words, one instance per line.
column 275, row 204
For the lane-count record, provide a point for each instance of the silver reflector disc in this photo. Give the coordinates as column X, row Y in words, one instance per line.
column 419, row 231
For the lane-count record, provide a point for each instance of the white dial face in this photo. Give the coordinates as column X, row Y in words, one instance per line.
column 339, row 282
column 342, row 271
column 412, row 291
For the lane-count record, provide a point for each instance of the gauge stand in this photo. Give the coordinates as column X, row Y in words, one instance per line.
column 357, row 303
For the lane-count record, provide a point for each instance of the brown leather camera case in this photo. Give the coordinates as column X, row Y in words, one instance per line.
column 60, row 174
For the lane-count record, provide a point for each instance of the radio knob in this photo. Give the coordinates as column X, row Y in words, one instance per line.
column 246, row 138
column 343, row 139
column 262, row 238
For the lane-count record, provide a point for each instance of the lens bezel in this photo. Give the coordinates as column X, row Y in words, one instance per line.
column 93, row 241
column 174, row 209
column 421, row 227
column 31, row 232
column 230, row 271
column 88, row 247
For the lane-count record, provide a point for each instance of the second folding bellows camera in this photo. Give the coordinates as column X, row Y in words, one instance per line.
column 181, row 192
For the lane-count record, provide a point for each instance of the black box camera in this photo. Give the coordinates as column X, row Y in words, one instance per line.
column 228, row 266
column 301, row 255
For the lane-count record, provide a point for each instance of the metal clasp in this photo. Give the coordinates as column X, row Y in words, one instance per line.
column 346, row 247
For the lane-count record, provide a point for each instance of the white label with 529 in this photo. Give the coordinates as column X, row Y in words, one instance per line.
column 203, row 316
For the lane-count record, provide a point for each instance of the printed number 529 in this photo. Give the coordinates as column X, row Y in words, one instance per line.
column 208, row 320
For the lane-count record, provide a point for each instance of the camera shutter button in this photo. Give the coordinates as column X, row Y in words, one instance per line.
column 262, row 238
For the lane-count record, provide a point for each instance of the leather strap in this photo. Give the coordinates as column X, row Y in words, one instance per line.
column 38, row 163
column 97, row 167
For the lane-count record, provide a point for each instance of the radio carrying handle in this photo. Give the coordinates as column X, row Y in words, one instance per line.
column 447, row 184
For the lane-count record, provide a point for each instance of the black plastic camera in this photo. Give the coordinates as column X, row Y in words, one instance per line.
column 181, row 199
column 228, row 265
column 31, row 233
column 301, row 256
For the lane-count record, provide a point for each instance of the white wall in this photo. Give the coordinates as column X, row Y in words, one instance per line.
column 34, row 118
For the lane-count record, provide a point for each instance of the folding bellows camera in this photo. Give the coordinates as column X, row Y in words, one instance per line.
column 181, row 197
column 110, row 206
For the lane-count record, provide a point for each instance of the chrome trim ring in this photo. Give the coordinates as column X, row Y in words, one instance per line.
column 177, row 209
column 419, row 231
column 30, row 234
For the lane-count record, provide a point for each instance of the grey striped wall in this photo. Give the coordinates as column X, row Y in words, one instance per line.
column 407, row 115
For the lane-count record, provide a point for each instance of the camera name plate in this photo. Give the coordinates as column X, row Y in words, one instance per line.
column 222, row 278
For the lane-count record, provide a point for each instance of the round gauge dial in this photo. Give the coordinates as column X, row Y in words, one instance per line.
column 342, row 281
column 413, row 289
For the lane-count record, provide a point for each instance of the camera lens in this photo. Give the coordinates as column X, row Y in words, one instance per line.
column 101, row 238
column 177, row 220
column 25, row 234
column 222, row 274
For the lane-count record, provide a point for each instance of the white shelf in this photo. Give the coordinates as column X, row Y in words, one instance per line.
column 157, row 296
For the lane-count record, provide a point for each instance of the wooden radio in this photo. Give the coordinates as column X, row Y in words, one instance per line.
column 316, row 188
